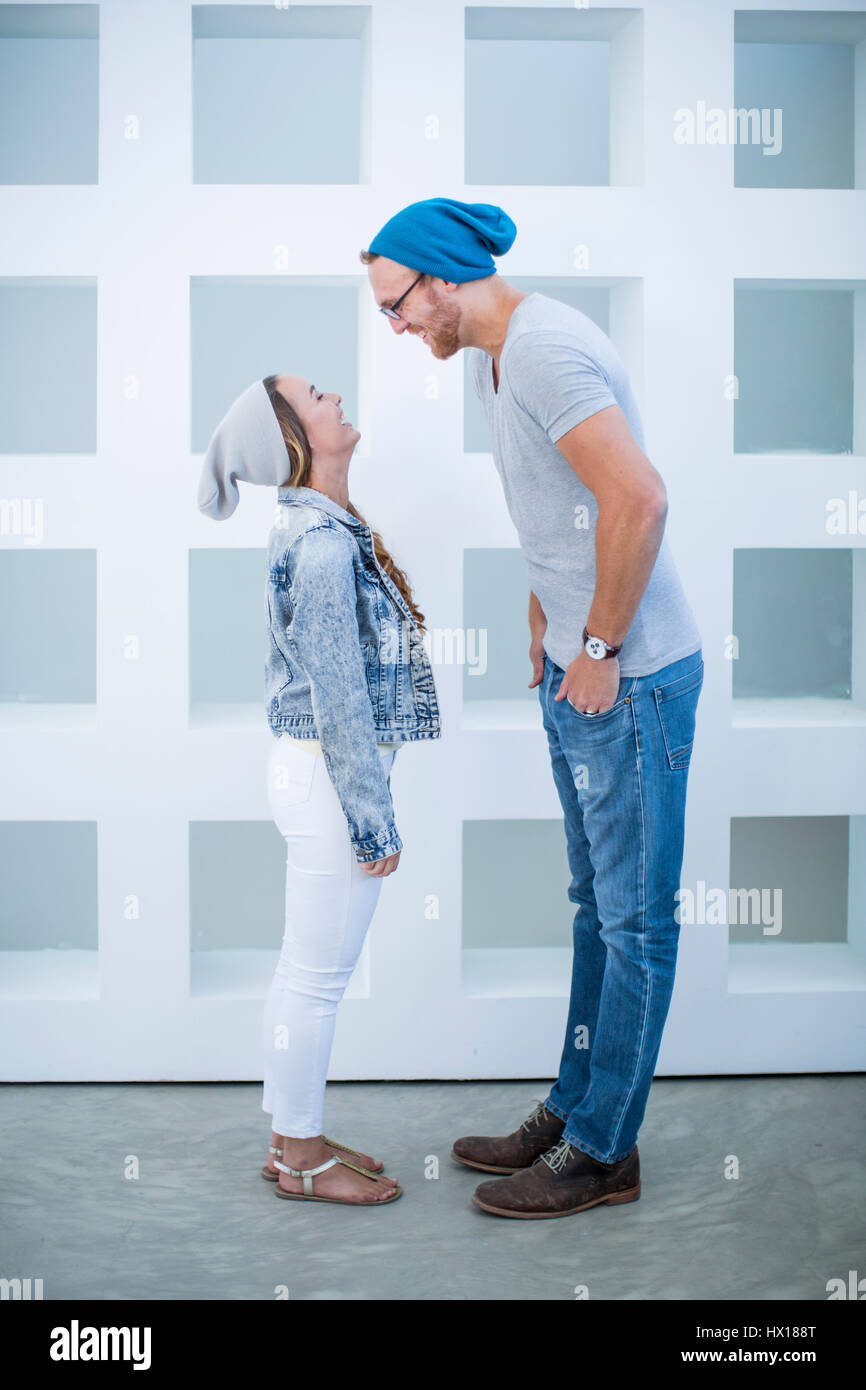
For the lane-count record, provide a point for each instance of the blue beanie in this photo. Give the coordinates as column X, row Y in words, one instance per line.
column 446, row 238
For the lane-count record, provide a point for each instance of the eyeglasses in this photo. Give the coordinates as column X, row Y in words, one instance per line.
column 391, row 309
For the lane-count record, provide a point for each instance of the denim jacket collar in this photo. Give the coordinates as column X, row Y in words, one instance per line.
column 309, row 496
column 312, row 497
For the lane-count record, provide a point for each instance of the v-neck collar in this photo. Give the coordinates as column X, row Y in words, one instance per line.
column 497, row 390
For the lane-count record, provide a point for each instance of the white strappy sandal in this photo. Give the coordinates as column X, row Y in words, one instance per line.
column 309, row 1173
column 332, row 1144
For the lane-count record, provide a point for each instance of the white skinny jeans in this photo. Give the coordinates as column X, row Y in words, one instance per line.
column 330, row 902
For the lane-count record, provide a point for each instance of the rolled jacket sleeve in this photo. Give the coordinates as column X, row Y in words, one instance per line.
column 325, row 637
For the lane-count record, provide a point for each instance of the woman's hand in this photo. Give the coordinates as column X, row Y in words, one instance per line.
column 378, row 868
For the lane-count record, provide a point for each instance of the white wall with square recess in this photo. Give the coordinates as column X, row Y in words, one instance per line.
column 183, row 200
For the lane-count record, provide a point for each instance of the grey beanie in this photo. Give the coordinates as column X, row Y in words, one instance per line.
column 247, row 444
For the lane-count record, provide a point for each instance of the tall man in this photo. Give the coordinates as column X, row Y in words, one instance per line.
column 616, row 657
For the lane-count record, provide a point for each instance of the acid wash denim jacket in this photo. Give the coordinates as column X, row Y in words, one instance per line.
column 346, row 661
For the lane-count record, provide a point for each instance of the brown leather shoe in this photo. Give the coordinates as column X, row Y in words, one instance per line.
column 538, row 1132
column 563, row 1181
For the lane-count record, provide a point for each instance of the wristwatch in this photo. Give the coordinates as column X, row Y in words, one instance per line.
column 597, row 648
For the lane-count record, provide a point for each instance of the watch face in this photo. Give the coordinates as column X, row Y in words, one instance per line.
column 596, row 648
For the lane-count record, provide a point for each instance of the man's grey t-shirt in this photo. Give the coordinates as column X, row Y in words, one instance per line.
column 556, row 369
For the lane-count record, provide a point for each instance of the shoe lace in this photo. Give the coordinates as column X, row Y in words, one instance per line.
column 537, row 1116
column 557, row 1157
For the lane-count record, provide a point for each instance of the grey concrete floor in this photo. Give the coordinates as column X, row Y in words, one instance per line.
column 200, row 1223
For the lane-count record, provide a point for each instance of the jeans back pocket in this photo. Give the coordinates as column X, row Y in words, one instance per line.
column 291, row 768
column 676, row 703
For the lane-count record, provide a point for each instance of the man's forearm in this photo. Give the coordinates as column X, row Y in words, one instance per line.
column 627, row 541
column 536, row 613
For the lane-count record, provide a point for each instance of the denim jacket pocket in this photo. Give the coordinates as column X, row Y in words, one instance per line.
column 419, row 665
column 278, row 670
column 374, row 677
column 423, row 684
column 676, row 703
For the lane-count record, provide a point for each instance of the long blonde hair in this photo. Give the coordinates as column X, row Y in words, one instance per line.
column 301, row 461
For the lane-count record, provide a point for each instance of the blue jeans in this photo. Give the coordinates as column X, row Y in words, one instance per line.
column 621, row 777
